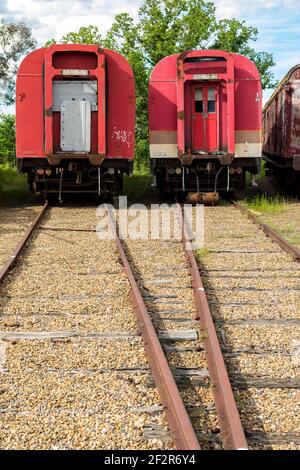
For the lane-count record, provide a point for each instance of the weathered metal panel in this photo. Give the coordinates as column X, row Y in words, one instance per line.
column 281, row 121
column 295, row 118
column 75, row 90
column 75, row 126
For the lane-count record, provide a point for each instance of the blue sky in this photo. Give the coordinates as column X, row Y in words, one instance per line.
column 278, row 21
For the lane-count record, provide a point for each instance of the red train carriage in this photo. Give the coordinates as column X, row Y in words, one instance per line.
column 75, row 119
column 281, row 127
column 205, row 121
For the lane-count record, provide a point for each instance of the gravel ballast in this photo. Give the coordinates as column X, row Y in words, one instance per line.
column 80, row 387
column 253, row 291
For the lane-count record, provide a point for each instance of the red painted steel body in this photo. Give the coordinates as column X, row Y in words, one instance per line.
column 205, row 107
column 281, row 125
column 112, row 117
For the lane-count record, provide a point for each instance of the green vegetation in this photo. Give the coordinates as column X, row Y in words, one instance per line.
column 266, row 205
column 7, row 139
column 293, row 238
column 15, row 41
column 279, row 213
column 11, row 183
column 137, row 187
column 287, row 231
column 13, row 186
column 259, row 177
column 201, row 253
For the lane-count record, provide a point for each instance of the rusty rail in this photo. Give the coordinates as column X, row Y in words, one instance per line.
column 232, row 433
column 182, row 431
column 282, row 242
column 8, row 265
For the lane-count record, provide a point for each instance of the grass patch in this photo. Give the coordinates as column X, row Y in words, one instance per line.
column 201, row 253
column 287, row 232
column 266, row 205
column 239, row 235
column 261, row 175
column 293, row 239
column 137, row 187
column 13, row 186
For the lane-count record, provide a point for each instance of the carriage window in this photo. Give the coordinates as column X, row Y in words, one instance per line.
column 211, row 102
column 198, row 100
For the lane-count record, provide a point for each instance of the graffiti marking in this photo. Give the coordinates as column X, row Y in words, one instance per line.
column 125, row 137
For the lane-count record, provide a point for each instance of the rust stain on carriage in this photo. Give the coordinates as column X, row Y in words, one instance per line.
column 182, row 56
column 95, row 160
column 49, row 112
column 296, row 162
column 180, row 60
column 163, row 137
column 186, row 159
column 252, row 137
column 180, row 115
column 226, row 159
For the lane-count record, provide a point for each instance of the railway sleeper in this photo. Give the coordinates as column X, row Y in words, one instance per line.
column 254, row 437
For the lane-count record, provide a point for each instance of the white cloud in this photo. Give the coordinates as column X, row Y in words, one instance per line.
column 73, row 23
column 54, row 18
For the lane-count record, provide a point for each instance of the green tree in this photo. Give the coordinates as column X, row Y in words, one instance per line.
column 170, row 26
column 7, row 138
column 15, row 41
column 234, row 36
column 85, row 35
column 166, row 27
column 124, row 37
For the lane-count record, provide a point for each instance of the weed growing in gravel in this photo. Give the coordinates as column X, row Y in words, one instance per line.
column 202, row 253
column 287, row 232
column 266, row 205
column 137, row 187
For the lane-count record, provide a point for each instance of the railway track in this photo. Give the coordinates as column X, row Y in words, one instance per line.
column 282, row 242
column 169, row 292
column 74, row 345
column 42, row 348
column 252, row 287
column 14, row 222
column 74, row 371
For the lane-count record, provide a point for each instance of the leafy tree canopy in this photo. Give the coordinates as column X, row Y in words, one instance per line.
column 7, row 138
column 15, row 41
column 85, row 35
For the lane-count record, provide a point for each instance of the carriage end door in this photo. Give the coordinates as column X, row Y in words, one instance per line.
column 205, row 133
